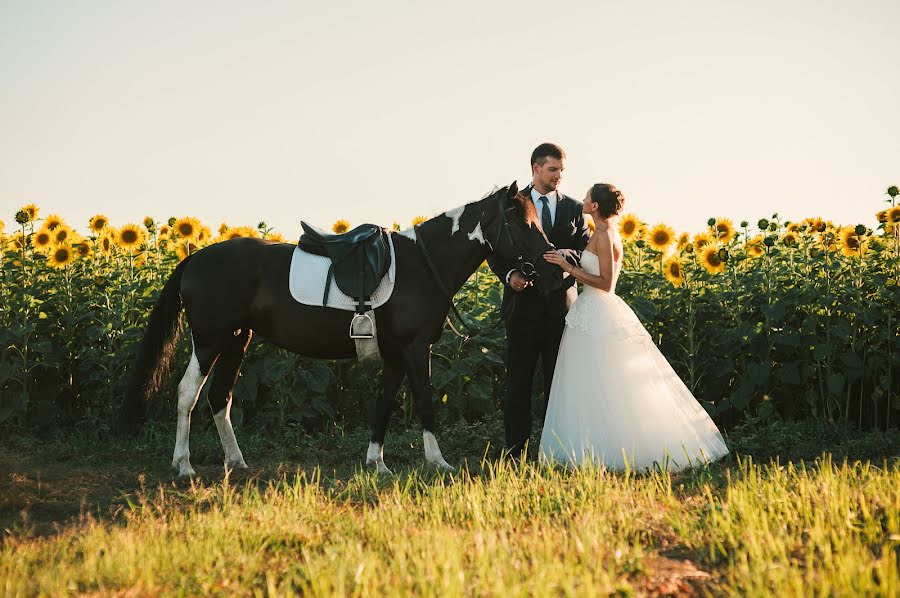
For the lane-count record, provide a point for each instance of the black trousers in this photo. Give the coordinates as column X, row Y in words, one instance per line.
column 528, row 336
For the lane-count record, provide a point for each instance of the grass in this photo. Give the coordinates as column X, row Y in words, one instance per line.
column 829, row 526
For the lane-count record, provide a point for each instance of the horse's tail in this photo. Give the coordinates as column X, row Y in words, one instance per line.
column 155, row 354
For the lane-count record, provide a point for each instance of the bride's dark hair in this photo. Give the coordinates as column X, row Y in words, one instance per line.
column 609, row 200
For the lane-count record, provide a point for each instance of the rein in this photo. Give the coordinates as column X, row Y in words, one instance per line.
column 472, row 332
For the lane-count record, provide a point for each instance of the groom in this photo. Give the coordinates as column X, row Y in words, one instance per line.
column 535, row 322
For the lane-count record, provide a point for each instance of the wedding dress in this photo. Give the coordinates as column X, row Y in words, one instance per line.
column 615, row 400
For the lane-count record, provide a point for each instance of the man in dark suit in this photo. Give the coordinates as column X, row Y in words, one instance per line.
column 535, row 321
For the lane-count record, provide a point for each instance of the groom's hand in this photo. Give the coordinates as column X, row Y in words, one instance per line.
column 518, row 282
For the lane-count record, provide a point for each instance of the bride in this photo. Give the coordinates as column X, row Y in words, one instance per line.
column 615, row 400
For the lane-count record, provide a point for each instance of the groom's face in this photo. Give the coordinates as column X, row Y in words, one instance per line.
column 547, row 175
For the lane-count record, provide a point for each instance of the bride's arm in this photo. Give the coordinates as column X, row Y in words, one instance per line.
column 602, row 281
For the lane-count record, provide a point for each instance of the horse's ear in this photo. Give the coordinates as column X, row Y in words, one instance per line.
column 513, row 189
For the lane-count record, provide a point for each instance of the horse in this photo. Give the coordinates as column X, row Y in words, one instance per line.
column 235, row 289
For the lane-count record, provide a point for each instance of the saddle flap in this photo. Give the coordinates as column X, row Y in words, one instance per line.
column 360, row 258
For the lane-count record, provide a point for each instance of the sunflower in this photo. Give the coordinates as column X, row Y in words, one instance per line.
column 98, row 223
column 188, row 228
column 106, row 242
column 42, row 240
column 590, row 224
column 205, row 234
column 724, row 230
column 684, row 239
column 629, row 227
column 277, row 237
column 701, row 241
column 52, row 221
column 790, row 239
column 164, row 232
column 149, row 223
column 2, row 227
column 674, row 272
column 62, row 235
column 222, row 228
column 416, row 221
column 182, row 250
column 815, row 224
column 893, row 215
column 61, row 256
column 84, row 248
column 341, row 226
column 756, row 247
column 31, row 212
column 17, row 242
column 710, row 259
column 240, row 231
column 852, row 244
column 660, row 237
column 795, row 227
column 395, row 225
column 140, row 259
column 131, row 237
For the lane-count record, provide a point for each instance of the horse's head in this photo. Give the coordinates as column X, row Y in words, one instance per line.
column 514, row 230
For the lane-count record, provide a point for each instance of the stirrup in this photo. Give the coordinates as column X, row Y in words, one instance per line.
column 362, row 326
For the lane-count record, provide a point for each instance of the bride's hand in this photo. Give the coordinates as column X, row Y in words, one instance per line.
column 554, row 257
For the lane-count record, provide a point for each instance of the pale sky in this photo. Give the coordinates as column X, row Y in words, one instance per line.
column 380, row 111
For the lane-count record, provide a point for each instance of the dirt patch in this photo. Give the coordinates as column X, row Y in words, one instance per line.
column 666, row 576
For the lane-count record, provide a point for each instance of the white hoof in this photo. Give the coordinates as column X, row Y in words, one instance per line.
column 236, row 465
column 433, row 452
column 375, row 458
column 185, row 470
column 443, row 465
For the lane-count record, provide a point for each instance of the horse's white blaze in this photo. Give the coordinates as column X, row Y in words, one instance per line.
column 409, row 233
column 188, row 393
column 455, row 215
column 477, row 235
column 233, row 456
column 433, row 451
column 375, row 456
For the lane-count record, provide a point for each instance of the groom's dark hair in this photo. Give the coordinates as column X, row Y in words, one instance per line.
column 546, row 150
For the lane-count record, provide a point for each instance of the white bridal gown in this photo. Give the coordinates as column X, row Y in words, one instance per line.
column 615, row 398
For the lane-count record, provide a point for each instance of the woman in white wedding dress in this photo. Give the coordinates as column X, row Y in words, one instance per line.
column 615, row 400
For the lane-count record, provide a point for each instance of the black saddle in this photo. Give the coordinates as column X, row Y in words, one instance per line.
column 360, row 258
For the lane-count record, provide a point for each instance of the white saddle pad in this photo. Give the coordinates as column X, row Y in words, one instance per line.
column 308, row 275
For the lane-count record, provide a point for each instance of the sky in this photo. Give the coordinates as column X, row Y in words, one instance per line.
column 279, row 111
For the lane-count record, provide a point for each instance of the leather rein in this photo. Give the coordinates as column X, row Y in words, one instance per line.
column 525, row 267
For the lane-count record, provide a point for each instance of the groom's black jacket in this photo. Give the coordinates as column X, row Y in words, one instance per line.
column 570, row 235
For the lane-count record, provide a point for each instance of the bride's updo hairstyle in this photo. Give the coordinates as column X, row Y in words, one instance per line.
column 609, row 200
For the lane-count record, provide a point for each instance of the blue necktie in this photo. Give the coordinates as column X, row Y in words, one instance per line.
column 546, row 221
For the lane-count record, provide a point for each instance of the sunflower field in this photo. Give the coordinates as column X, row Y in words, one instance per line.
column 775, row 319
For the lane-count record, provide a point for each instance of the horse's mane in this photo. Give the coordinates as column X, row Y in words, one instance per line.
column 531, row 215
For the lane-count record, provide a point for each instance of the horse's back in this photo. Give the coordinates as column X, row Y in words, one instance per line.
column 222, row 280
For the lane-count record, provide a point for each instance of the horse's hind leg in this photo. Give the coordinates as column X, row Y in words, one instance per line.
column 220, row 393
column 188, row 393
column 391, row 377
column 417, row 359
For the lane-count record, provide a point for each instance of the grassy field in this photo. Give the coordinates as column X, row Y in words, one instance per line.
column 85, row 517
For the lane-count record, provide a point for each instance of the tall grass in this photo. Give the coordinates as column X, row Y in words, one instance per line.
column 505, row 528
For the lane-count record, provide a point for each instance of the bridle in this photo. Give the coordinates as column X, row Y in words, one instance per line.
column 524, row 265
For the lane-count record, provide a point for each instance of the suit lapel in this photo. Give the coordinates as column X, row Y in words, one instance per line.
column 560, row 211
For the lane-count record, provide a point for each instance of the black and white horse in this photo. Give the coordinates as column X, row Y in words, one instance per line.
column 230, row 290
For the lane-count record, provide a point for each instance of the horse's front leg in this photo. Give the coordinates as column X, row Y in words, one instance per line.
column 417, row 359
column 391, row 379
